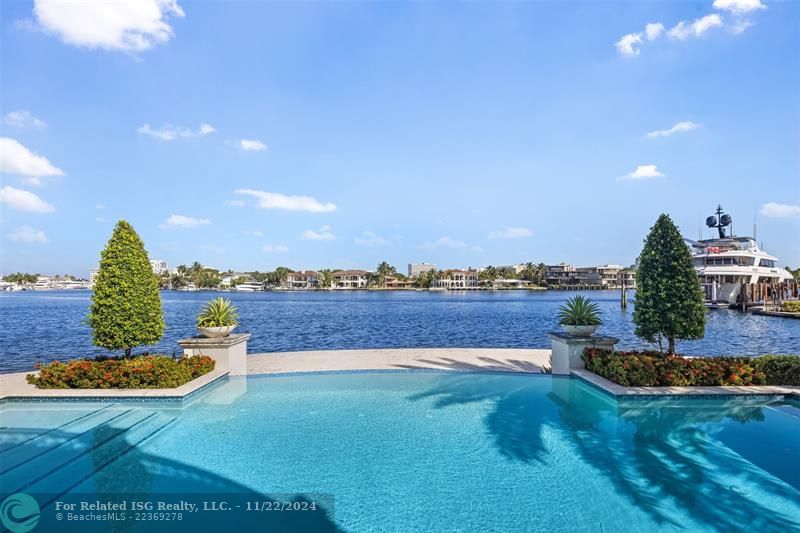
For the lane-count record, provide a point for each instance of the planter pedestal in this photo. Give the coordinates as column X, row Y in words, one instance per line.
column 567, row 349
column 230, row 353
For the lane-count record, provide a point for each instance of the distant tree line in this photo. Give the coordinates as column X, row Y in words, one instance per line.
column 25, row 277
column 21, row 277
column 203, row 277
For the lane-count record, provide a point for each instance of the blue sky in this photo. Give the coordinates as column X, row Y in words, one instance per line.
column 463, row 134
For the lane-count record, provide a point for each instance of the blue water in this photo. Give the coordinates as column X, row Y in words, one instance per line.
column 45, row 326
column 430, row 452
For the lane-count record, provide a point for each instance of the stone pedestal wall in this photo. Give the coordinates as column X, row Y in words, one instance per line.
column 567, row 349
column 230, row 353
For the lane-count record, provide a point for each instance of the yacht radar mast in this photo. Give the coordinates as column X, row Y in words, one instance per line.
column 720, row 222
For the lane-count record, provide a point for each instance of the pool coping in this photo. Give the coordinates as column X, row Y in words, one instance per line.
column 695, row 392
column 14, row 387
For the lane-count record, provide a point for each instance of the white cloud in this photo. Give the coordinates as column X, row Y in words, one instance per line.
column 740, row 26
column 167, row 132
column 27, row 234
column 511, row 233
column 683, row 31
column 444, row 242
column 274, row 249
column 476, row 249
column 625, row 45
column 251, row 145
column 677, row 128
column 371, row 239
column 273, row 200
column 254, row 233
column 100, row 219
column 17, row 159
column 99, row 206
column 642, row 172
column 323, row 234
column 126, row 25
column 234, row 203
column 739, row 7
column 23, row 119
column 776, row 210
column 653, row 30
column 24, row 201
column 180, row 221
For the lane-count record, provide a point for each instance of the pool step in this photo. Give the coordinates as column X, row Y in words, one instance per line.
column 20, row 452
column 18, row 434
column 66, row 465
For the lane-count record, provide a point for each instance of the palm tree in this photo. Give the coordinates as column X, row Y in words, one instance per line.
column 383, row 271
column 488, row 274
column 540, row 269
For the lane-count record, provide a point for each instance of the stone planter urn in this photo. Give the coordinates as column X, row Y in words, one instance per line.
column 216, row 332
column 580, row 331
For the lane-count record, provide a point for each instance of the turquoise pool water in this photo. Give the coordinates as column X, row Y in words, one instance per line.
column 431, row 452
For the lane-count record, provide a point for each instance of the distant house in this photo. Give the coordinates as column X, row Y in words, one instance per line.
column 305, row 279
column 558, row 275
column 458, row 279
column 229, row 279
column 627, row 277
column 598, row 277
column 398, row 283
column 93, row 272
column 351, row 279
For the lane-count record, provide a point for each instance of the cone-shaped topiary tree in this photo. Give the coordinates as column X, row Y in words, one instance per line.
column 669, row 301
column 126, row 306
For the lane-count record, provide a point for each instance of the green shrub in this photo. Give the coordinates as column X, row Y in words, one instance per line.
column 649, row 369
column 779, row 369
column 669, row 301
column 126, row 306
column 144, row 372
column 791, row 307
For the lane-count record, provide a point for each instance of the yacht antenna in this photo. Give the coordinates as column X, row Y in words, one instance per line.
column 721, row 221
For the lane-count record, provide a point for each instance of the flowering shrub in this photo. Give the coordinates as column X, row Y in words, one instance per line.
column 145, row 372
column 791, row 307
column 649, row 369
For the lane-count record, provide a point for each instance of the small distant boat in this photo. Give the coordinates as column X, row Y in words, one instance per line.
column 250, row 286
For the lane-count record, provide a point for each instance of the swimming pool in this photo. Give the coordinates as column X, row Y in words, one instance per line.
column 429, row 451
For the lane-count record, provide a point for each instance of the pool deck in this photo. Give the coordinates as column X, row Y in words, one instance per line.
column 15, row 387
column 459, row 359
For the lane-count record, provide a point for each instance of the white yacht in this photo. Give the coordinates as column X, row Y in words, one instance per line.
column 727, row 262
column 250, row 286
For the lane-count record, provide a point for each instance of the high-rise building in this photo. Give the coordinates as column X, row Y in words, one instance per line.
column 415, row 269
column 159, row 266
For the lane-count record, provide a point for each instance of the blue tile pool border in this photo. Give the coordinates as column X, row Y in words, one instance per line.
column 177, row 400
